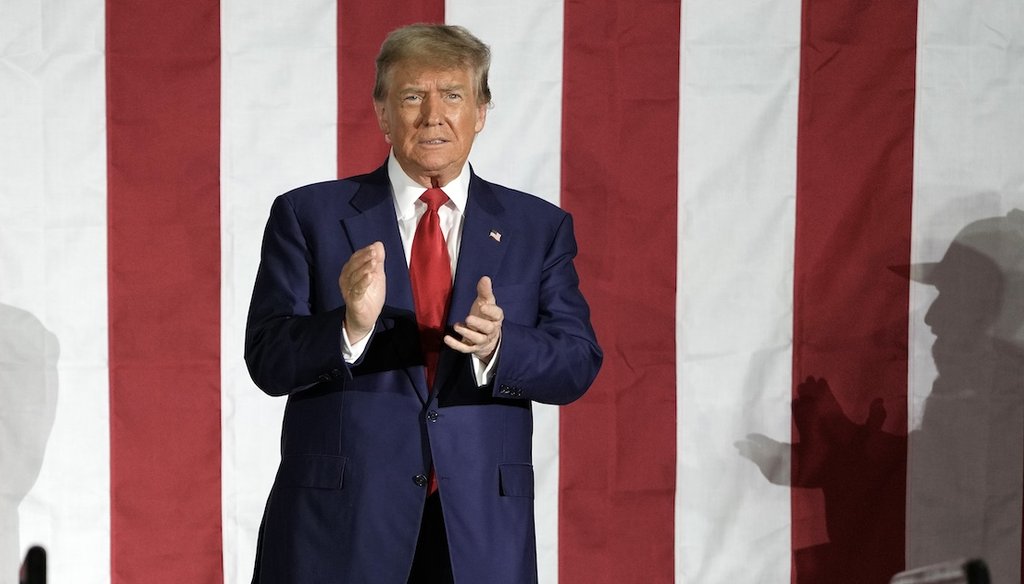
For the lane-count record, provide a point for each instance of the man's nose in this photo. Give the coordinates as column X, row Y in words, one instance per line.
column 929, row 315
column 432, row 111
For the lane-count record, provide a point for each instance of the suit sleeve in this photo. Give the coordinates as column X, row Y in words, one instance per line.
column 288, row 348
column 556, row 360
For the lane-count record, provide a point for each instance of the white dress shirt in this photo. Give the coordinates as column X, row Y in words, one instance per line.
column 409, row 209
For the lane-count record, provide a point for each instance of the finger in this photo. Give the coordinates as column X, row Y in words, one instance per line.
column 471, row 336
column 371, row 271
column 375, row 249
column 491, row 312
column 457, row 345
column 487, row 339
column 359, row 286
column 367, row 255
column 354, row 269
column 484, row 291
column 481, row 351
column 481, row 325
column 487, row 309
column 376, row 252
column 360, row 268
column 363, row 255
column 876, row 414
column 745, row 448
column 368, row 261
column 763, row 442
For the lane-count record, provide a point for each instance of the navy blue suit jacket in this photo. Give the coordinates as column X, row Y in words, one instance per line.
column 358, row 439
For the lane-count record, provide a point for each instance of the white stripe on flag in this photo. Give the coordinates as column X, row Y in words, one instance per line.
column 964, row 469
column 520, row 147
column 279, row 131
column 53, row 290
column 739, row 83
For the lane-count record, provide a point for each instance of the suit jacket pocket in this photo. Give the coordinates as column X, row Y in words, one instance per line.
column 318, row 471
column 515, row 480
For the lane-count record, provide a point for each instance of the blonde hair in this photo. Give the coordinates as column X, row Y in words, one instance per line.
column 437, row 45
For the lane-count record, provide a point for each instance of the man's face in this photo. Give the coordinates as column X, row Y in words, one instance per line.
column 430, row 117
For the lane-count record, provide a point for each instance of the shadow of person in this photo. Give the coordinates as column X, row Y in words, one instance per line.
column 28, row 403
column 967, row 458
column 852, row 466
column 962, row 496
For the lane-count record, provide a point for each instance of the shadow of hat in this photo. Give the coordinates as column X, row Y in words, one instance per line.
column 984, row 249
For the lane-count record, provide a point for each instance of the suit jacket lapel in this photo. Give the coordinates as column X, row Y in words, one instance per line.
column 480, row 254
column 377, row 221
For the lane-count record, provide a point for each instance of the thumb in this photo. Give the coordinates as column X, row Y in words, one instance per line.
column 876, row 414
column 378, row 248
column 483, row 289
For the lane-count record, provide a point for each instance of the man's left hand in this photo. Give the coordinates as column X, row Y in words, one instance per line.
column 482, row 329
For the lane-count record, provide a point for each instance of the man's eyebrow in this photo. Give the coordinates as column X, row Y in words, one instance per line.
column 420, row 89
column 411, row 89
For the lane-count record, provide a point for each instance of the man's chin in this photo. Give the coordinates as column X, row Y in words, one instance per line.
column 433, row 167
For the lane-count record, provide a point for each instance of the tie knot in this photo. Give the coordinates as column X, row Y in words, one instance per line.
column 434, row 198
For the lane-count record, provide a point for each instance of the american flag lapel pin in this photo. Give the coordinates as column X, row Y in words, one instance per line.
column 496, row 235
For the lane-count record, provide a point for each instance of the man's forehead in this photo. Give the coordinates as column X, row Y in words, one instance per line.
column 411, row 73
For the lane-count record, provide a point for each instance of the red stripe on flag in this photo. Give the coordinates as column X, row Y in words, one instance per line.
column 854, row 181
column 163, row 110
column 619, row 179
column 362, row 27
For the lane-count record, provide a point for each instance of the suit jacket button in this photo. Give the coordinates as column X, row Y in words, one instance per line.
column 432, row 415
column 324, row 377
column 420, row 480
column 336, row 373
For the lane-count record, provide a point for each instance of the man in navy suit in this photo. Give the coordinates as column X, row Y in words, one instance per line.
column 384, row 477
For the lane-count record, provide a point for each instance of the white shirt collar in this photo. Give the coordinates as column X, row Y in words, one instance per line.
column 407, row 191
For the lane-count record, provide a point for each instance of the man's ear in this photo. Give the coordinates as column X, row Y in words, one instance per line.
column 382, row 122
column 481, row 117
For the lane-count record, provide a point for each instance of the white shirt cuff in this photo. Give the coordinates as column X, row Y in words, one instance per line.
column 485, row 373
column 351, row 352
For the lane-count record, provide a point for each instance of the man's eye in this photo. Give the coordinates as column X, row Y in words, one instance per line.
column 411, row 98
column 454, row 96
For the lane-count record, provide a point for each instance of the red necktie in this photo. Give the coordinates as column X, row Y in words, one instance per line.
column 431, row 274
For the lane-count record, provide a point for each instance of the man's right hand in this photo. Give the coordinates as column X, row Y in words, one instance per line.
column 363, row 287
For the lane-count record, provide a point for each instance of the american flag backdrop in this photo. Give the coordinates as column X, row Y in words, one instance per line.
column 798, row 233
